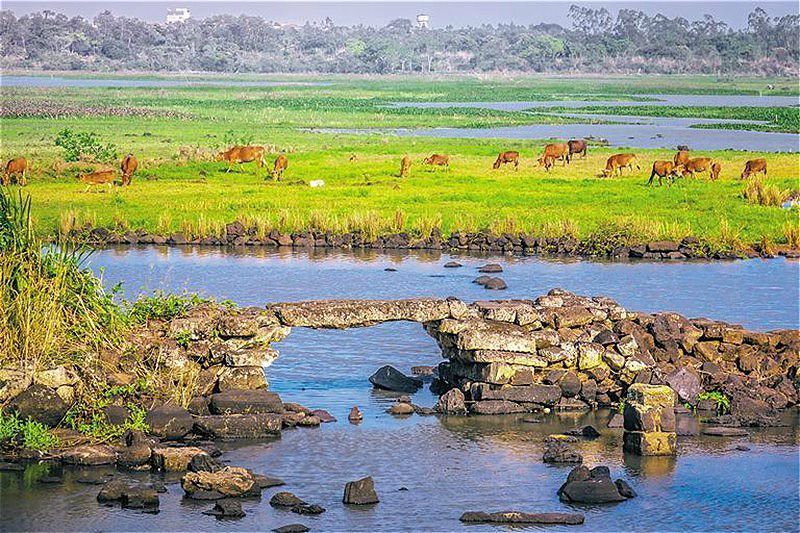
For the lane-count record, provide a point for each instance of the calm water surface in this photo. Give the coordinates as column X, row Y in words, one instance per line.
column 448, row 464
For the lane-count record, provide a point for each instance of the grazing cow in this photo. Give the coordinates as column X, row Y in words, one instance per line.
column 243, row 154
column 665, row 169
column 553, row 152
column 716, row 168
column 617, row 162
column 681, row 158
column 281, row 162
column 505, row 158
column 99, row 177
column 754, row 166
column 405, row 166
column 438, row 160
column 577, row 146
column 16, row 168
column 128, row 167
column 698, row 165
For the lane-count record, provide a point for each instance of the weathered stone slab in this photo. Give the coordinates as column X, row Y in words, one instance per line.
column 485, row 335
column 340, row 314
column 239, row 426
column 536, row 393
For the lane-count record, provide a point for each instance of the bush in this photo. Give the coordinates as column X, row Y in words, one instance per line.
column 162, row 306
column 759, row 193
column 83, row 145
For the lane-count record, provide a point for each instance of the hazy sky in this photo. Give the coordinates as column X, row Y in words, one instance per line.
column 734, row 13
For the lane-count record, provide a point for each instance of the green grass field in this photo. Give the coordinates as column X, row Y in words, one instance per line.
column 175, row 131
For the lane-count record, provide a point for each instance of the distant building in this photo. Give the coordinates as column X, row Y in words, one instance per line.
column 423, row 20
column 178, row 14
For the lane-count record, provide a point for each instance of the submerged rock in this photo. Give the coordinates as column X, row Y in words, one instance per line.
column 561, row 452
column 291, row 528
column 495, row 284
column 226, row 509
column 481, row 280
column 452, row 264
column 722, row 431
column 491, row 268
column 308, row 509
column 517, row 517
column 588, row 432
column 360, row 492
column 389, row 378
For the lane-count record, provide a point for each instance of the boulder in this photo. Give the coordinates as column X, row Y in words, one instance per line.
column 251, row 426
column 237, row 401
column 452, row 264
column 495, row 284
column 481, row 280
column 266, row 482
column 170, row 422
column 491, row 268
column 590, row 486
column 360, row 492
column 570, row 385
column 230, row 482
column 324, row 416
column 140, row 497
column 39, row 403
column 451, row 403
column 389, row 378
column 174, row 459
column 134, row 455
column 242, row 378
column 308, row 509
column 588, row 432
column 516, row 517
column 285, row 499
column 686, row 384
column 203, row 462
column 227, row 508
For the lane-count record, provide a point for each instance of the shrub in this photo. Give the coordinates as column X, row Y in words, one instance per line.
column 722, row 403
column 84, row 145
column 27, row 434
column 759, row 193
column 162, row 306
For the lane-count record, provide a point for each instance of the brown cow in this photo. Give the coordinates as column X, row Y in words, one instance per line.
column 754, row 166
column 681, row 158
column 242, row 154
column 577, row 146
column 405, row 166
column 438, row 160
column 553, row 152
column 281, row 162
column 507, row 157
column 698, row 165
column 128, row 167
column 716, row 168
column 665, row 169
column 99, row 177
column 16, row 168
column 617, row 162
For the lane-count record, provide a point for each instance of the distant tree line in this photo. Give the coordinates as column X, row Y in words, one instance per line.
column 595, row 42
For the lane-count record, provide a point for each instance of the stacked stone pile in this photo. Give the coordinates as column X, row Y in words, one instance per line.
column 650, row 420
column 568, row 352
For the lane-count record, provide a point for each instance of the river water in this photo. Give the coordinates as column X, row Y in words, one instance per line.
column 447, row 464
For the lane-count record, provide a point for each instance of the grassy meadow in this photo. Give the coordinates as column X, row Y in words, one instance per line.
column 175, row 132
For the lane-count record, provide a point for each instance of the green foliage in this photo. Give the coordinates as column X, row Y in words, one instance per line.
column 88, row 417
column 82, row 145
column 27, row 434
column 162, row 306
column 54, row 309
column 621, row 407
column 722, row 402
column 182, row 338
column 233, row 138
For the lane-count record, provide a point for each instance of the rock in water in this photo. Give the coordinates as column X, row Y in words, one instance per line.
column 516, row 517
column 491, row 268
column 560, row 452
column 495, row 284
column 451, row 403
column 292, row 528
column 481, row 280
column 725, row 432
column 355, row 415
column 360, row 492
column 226, row 509
column 452, row 264
column 285, row 499
column 401, row 409
column 311, row 509
column 584, row 431
column 592, row 486
column 230, row 482
column 389, row 378
column 324, row 416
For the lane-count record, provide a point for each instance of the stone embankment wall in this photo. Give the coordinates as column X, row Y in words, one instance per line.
column 236, row 234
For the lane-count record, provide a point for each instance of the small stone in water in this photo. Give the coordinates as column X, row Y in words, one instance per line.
column 355, row 415
column 491, row 268
column 452, row 264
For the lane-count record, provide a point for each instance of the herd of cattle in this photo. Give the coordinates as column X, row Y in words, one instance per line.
column 682, row 164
